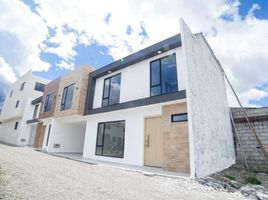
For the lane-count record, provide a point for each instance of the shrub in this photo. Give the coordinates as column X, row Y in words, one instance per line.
column 230, row 177
column 253, row 180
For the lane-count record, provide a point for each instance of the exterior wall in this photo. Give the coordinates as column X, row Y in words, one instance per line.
column 9, row 111
column 70, row 137
column 134, row 132
column 79, row 76
column 135, row 79
column 254, row 154
column 53, row 86
column 24, row 112
column 210, row 131
column 7, row 132
column 176, row 156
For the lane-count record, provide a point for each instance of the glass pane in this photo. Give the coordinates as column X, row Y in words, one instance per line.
column 156, row 90
column 49, row 102
column 105, row 102
column 179, row 117
column 106, row 88
column 99, row 151
column 69, row 97
column 100, row 134
column 115, row 89
column 114, row 139
column 169, row 74
column 155, row 73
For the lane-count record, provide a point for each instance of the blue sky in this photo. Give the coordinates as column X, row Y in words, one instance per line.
column 65, row 35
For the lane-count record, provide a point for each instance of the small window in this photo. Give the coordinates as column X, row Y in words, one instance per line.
column 111, row 90
column 163, row 75
column 17, row 104
column 10, row 94
column 35, row 111
column 182, row 117
column 110, row 139
column 48, row 102
column 22, row 86
column 67, row 97
column 16, row 126
column 39, row 87
column 48, row 134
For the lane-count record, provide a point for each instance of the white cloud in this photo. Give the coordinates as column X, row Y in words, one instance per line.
column 6, row 71
column 241, row 44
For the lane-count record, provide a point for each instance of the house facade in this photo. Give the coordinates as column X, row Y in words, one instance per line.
column 164, row 106
column 18, row 108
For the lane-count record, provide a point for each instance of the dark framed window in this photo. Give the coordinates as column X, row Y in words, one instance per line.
column 48, row 102
column 22, row 86
column 10, row 94
column 39, row 87
column 111, row 90
column 48, row 134
column 111, row 139
column 17, row 104
column 35, row 111
column 67, row 97
column 182, row 117
column 163, row 75
column 16, row 125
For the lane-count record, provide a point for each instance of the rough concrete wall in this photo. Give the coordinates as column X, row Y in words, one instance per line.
column 210, row 132
column 254, row 154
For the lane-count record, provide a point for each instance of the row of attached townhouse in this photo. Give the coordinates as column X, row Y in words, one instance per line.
column 164, row 106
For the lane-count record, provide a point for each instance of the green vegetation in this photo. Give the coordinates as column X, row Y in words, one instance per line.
column 230, row 177
column 252, row 180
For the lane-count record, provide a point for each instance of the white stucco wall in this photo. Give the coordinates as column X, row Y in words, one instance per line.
column 7, row 132
column 135, row 79
column 70, row 136
column 134, row 132
column 210, row 133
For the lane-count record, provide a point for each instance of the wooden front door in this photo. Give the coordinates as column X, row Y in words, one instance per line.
column 39, row 137
column 153, row 142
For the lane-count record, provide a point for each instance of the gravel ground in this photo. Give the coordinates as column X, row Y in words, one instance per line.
column 34, row 175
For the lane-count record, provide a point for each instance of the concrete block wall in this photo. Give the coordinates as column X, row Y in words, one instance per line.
column 254, row 154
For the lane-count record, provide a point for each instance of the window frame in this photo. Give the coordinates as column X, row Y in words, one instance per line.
column 36, row 88
column 22, row 86
column 16, row 125
column 45, row 103
column 160, row 74
column 179, row 114
column 64, row 96
column 35, row 112
column 109, row 90
column 17, row 104
column 103, row 136
column 10, row 94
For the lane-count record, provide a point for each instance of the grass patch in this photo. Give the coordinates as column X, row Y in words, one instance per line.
column 253, row 180
column 230, row 177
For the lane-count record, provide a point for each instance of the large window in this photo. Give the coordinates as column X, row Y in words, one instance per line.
column 163, row 75
column 111, row 90
column 48, row 102
column 67, row 97
column 35, row 111
column 110, row 139
column 39, row 87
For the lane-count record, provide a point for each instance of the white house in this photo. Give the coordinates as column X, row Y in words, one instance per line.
column 18, row 108
column 164, row 106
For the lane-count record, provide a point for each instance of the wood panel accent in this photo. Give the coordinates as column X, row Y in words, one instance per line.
column 40, row 133
column 153, row 153
column 176, row 156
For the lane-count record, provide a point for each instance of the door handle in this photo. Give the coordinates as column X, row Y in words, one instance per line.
column 147, row 141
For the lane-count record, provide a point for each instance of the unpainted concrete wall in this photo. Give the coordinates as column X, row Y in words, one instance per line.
column 210, row 131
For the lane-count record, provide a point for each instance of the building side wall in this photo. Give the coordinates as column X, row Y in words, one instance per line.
column 210, row 131
column 7, row 132
column 135, row 79
column 255, row 156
